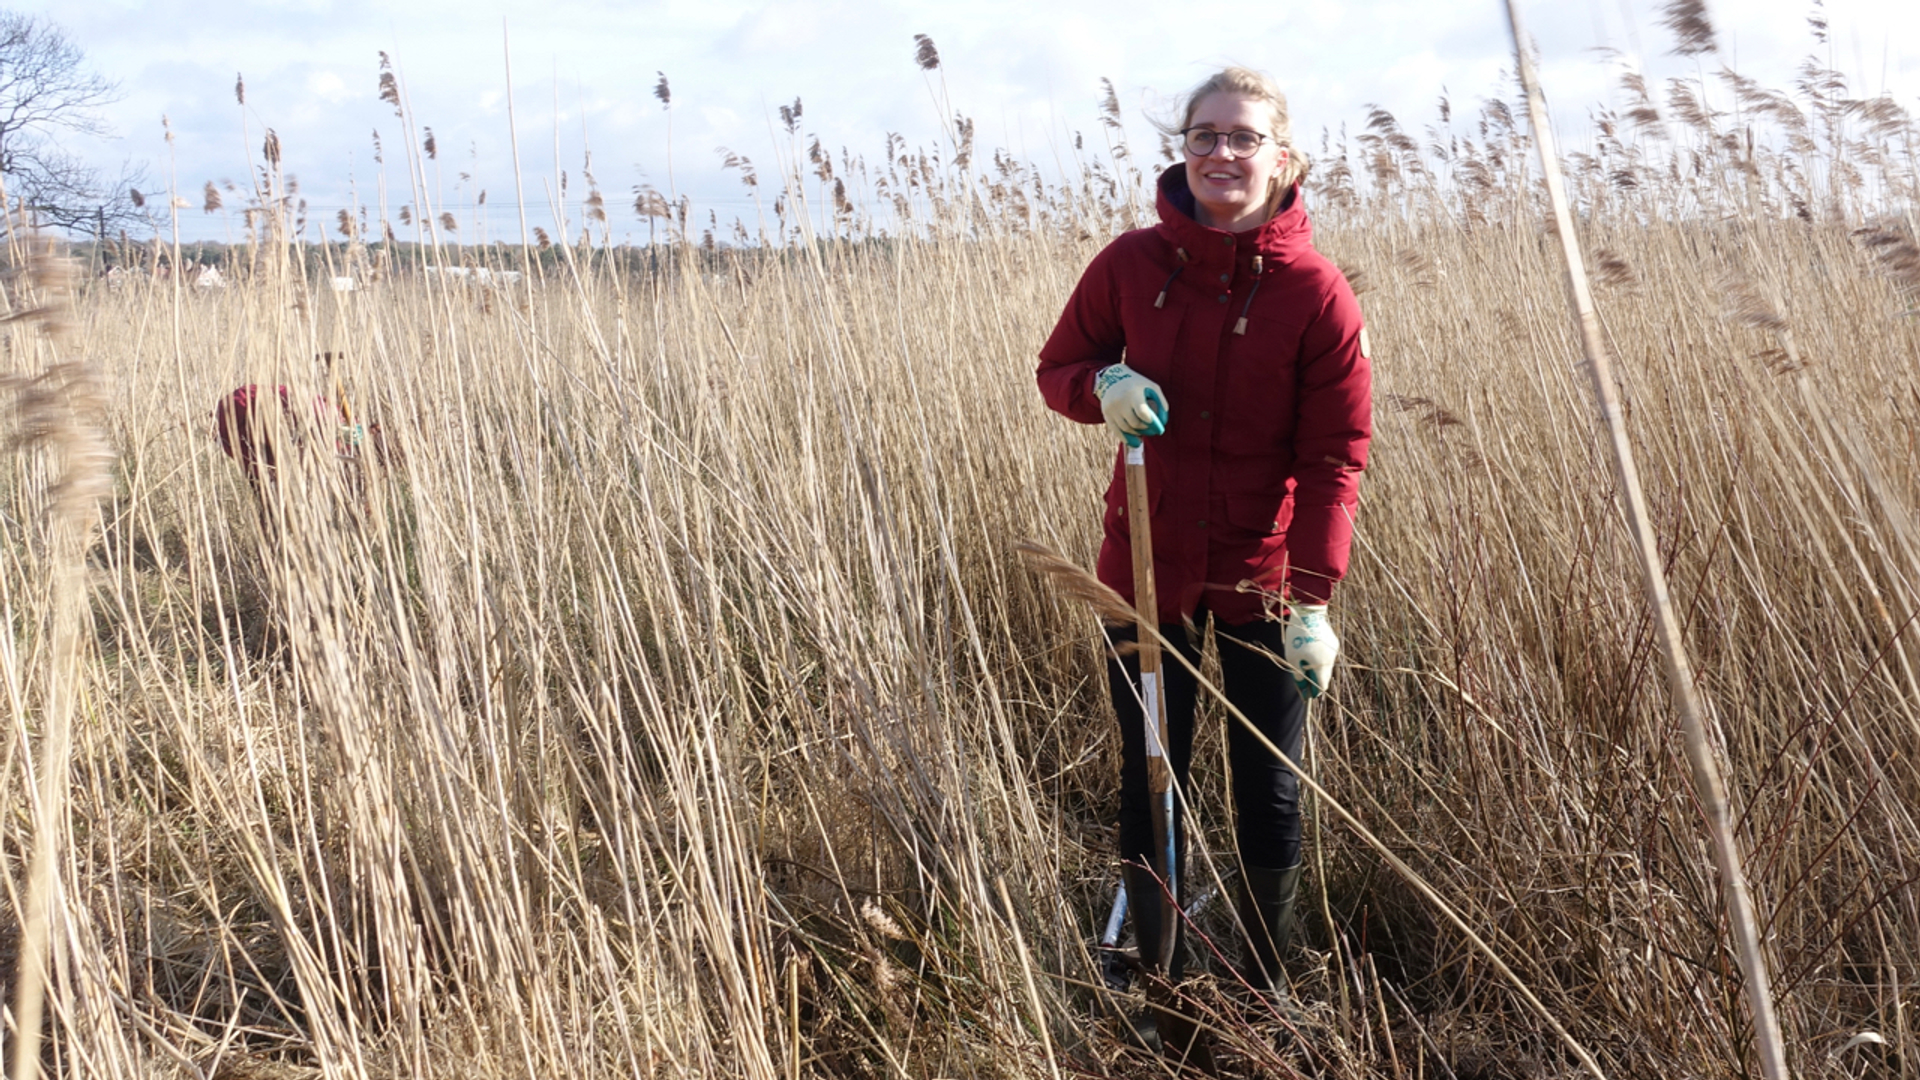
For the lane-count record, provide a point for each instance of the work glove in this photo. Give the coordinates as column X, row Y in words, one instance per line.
column 1308, row 646
column 1131, row 402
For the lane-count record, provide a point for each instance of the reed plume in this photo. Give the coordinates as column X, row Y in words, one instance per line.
column 924, row 53
column 1692, row 30
column 58, row 412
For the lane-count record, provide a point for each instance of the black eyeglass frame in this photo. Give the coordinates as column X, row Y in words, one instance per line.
column 1213, row 137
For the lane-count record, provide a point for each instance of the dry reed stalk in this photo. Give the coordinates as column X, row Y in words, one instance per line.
column 59, row 412
column 1075, row 581
column 1709, row 784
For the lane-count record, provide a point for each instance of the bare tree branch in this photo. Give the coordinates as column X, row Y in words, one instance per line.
column 46, row 88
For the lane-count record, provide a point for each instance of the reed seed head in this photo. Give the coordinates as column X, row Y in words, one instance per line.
column 1692, row 31
column 1073, row 581
column 924, row 53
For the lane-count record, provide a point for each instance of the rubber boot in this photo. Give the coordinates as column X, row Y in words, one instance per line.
column 1266, row 908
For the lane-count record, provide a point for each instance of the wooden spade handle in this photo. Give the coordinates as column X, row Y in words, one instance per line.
column 1158, row 955
column 1146, row 608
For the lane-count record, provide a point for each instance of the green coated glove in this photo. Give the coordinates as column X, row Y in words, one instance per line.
column 1131, row 402
column 1309, row 646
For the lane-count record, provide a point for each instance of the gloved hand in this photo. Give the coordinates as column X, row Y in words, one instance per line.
column 1309, row 646
column 1131, row 402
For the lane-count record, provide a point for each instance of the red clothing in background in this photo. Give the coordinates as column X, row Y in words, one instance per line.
column 247, row 435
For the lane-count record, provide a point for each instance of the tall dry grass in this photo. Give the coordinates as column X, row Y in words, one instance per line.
column 673, row 702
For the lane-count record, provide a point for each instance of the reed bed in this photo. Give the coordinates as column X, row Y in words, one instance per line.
column 672, row 701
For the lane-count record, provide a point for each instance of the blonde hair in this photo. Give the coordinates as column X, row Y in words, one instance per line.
column 1248, row 83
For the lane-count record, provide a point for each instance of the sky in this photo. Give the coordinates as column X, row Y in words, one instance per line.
column 1029, row 75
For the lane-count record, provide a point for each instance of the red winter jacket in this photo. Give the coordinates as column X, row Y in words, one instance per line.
column 246, row 434
column 1255, row 484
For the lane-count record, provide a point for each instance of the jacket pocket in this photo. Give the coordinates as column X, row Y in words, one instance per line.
column 1260, row 515
column 1258, row 402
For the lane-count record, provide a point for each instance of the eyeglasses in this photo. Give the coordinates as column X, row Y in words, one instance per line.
column 1201, row 141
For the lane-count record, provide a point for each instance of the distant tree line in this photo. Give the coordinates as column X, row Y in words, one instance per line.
column 405, row 258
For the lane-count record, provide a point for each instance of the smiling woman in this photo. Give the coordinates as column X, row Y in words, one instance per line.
column 1229, row 356
column 1240, row 156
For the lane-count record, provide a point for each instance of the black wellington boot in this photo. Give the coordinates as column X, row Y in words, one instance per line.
column 1266, row 907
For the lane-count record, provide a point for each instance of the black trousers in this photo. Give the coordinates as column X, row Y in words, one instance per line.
column 1266, row 794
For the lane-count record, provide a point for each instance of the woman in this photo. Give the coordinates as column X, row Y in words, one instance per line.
column 252, row 422
column 1236, row 352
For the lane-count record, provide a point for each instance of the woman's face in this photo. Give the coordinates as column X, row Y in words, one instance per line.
column 1231, row 192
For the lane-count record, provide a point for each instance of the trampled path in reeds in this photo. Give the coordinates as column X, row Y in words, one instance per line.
column 667, row 698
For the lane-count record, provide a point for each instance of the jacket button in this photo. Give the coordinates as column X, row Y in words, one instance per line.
column 1203, row 524
column 1224, row 298
column 1227, row 240
column 1206, row 415
column 1224, row 278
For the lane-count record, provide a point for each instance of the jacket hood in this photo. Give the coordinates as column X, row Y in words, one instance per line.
column 1281, row 239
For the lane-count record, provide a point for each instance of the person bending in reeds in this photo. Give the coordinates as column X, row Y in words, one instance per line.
column 259, row 427
column 1236, row 351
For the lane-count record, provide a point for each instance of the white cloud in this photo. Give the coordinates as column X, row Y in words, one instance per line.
column 720, row 123
column 328, row 85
